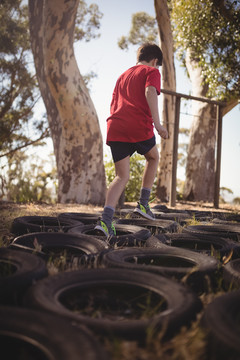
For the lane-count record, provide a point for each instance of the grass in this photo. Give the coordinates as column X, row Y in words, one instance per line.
column 188, row 344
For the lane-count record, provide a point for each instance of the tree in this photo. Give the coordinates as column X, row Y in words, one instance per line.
column 18, row 87
column 71, row 114
column 207, row 37
column 145, row 28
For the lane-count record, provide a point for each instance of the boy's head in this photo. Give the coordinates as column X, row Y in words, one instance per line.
column 148, row 52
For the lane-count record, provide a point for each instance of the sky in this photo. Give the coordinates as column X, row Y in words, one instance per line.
column 108, row 61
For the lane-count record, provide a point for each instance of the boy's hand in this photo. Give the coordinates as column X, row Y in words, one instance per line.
column 162, row 132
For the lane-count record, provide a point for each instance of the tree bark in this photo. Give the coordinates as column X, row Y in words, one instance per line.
column 168, row 112
column 72, row 117
column 199, row 183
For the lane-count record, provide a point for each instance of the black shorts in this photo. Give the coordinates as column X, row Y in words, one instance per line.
column 120, row 149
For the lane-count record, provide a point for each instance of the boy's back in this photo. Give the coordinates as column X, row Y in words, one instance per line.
column 131, row 119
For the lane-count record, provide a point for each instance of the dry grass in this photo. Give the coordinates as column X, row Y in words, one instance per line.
column 188, row 344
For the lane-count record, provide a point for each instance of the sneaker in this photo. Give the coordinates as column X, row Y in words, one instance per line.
column 108, row 231
column 144, row 211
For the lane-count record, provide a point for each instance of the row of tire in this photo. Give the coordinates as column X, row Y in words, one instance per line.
column 161, row 267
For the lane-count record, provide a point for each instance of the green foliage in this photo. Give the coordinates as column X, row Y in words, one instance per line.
column 132, row 190
column 236, row 201
column 18, row 88
column 27, row 184
column 144, row 29
column 211, row 30
column 87, row 21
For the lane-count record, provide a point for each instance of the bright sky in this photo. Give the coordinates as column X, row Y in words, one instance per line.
column 108, row 61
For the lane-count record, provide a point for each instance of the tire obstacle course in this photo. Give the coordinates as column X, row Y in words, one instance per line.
column 148, row 278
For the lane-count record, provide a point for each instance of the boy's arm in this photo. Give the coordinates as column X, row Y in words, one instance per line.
column 152, row 100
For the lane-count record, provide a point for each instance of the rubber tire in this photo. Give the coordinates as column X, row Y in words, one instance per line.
column 85, row 218
column 221, row 321
column 191, row 265
column 30, row 334
column 81, row 243
column 227, row 231
column 231, row 274
column 182, row 304
column 206, row 244
column 178, row 217
column 81, row 250
column 127, row 235
column 28, row 224
column 25, row 269
column 155, row 226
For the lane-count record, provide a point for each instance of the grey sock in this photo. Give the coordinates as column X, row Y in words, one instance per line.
column 144, row 196
column 107, row 215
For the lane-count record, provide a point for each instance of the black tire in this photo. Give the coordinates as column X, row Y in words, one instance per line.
column 221, row 320
column 227, row 231
column 231, row 274
column 127, row 235
column 226, row 222
column 28, row 224
column 30, row 334
column 178, row 217
column 111, row 290
column 206, row 244
column 85, row 218
column 162, row 208
column 50, row 245
column 17, row 272
column 155, row 226
column 166, row 261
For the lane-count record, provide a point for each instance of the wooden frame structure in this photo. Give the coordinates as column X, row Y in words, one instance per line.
column 219, row 105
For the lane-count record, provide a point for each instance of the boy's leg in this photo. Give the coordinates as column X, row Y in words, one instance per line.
column 152, row 160
column 122, row 169
column 114, row 192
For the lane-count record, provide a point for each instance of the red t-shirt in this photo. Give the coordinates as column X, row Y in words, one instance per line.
column 131, row 119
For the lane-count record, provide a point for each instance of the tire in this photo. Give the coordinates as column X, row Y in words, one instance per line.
column 178, row 217
column 221, row 323
column 155, row 226
column 18, row 271
column 127, row 235
column 206, row 244
column 231, row 274
column 28, row 224
column 226, row 222
column 30, row 334
column 162, row 208
column 85, row 218
column 77, row 248
column 166, row 261
column 99, row 295
column 226, row 231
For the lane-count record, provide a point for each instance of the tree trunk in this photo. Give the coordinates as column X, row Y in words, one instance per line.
column 199, row 183
column 72, row 117
column 36, row 32
column 168, row 112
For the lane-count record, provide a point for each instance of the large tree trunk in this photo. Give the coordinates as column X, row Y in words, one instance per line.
column 199, row 183
column 72, row 117
column 168, row 83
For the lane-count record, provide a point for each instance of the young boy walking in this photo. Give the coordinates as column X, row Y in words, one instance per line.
column 134, row 112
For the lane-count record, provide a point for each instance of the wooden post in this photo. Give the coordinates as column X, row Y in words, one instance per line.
column 218, row 156
column 173, row 191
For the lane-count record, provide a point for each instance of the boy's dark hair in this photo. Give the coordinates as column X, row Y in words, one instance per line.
column 148, row 52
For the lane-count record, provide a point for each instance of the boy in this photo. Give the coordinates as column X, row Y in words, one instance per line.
column 134, row 110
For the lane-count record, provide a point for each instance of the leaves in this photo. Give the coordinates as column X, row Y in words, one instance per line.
column 144, row 29
column 211, row 30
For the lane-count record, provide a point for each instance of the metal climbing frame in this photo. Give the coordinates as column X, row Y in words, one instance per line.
column 219, row 105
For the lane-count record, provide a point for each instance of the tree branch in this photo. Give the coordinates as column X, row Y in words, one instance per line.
column 43, row 136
